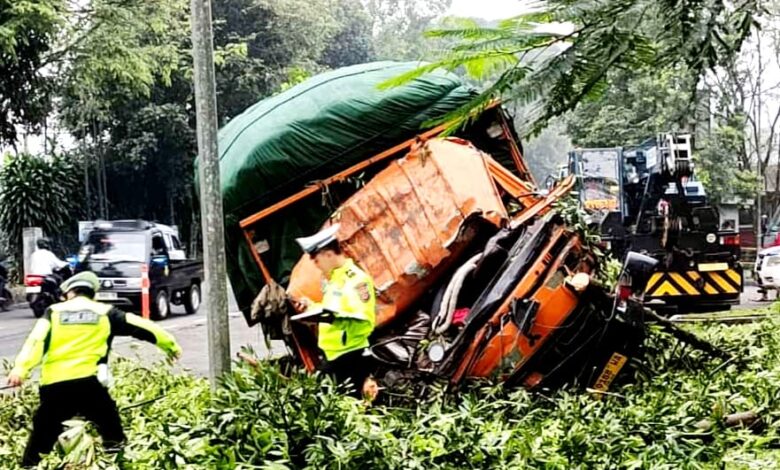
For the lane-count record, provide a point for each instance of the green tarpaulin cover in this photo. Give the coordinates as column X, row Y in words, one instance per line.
column 307, row 133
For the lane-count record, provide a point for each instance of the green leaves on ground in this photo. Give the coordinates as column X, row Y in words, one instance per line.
column 273, row 417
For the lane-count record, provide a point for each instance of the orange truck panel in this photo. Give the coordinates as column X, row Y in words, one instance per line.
column 406, row 226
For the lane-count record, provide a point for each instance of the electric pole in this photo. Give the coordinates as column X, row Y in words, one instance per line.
column 210, row 198
column 759, row 172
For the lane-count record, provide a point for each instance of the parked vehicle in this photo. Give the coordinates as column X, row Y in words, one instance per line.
column 43, row 291
column 120, row 251
column 767, row 269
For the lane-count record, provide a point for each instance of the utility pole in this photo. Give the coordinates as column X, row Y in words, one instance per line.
column 761, row 187
column 211, row 199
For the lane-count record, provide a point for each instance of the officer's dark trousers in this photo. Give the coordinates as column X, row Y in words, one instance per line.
column 352, row 368
column 64, row 400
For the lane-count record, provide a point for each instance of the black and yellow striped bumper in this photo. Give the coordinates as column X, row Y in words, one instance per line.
column 723, row 284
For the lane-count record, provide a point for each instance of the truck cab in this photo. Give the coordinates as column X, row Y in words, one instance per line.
column 123, row 252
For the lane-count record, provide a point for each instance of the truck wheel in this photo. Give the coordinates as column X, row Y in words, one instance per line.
column 192, row 299
column 161, row 307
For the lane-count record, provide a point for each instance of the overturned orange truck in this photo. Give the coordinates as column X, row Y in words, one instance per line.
column 476, row 273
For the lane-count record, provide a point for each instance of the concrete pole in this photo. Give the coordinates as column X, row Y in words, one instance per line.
column 30, row 236
column 211, row 199
column 760, row 174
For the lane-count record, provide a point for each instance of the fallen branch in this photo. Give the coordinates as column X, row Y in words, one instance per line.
column 688, row 337
column 746, row 419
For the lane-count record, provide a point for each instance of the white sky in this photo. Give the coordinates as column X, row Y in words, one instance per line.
column 487, row 9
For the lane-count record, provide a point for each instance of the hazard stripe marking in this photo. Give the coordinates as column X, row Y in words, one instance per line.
column 652, row 284
column 666, row 288
column 684, row 284
column 722, row 283
column 734, row 276
column 694, row 283
column 709, row 289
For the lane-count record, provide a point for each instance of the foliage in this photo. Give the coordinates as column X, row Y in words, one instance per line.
column 718, row 164
column 608, row 267
column 27, row 30
column 636, row 106
column 37, row 192
column 398, row 27
column 559, row 55
column 271, row 417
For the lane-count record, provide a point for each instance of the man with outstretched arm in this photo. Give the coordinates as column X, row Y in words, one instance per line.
column 71, row 342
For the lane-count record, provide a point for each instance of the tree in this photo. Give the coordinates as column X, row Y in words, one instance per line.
column 717, row 164
column 635, row 107
column 267, row 43
column 398, row 27
column 138, row 137
column 353, row 42
column 553, row 59
column 38, row 192
column 27, row 30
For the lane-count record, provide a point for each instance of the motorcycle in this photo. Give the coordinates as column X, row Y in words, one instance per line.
column 44, row 291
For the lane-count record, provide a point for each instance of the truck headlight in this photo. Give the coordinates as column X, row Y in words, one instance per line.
column 772, row 261
column 134, row 282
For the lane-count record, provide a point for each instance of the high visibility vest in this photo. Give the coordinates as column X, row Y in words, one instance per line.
column 73, row 337
column 349, row 293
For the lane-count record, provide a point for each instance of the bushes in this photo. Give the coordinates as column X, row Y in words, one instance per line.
column 272, row 417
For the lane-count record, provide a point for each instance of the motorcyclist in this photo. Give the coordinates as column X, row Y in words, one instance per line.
column 43, row 262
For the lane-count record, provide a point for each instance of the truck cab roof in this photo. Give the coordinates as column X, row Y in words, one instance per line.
column 131, row 226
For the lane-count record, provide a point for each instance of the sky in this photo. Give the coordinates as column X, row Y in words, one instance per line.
column 487, row 9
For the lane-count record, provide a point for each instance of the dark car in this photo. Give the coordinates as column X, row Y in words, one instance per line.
column 119, row 251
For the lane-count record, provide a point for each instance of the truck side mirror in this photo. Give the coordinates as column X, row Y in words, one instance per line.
column 639, row 268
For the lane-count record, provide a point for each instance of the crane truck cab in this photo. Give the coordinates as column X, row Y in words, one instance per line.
column 120, row 251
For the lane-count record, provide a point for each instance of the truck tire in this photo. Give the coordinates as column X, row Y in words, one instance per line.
column 161, row 307
column 192, row 299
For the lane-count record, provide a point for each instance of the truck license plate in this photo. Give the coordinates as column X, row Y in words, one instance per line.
column 611, row 370
column 106, row 296
column 708, row 267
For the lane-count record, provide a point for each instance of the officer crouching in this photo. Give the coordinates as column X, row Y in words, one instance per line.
column 71, row 341
column 346, row 316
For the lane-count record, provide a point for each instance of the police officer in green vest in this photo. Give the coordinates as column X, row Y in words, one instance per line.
column 71, row 342
column 348, row 309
